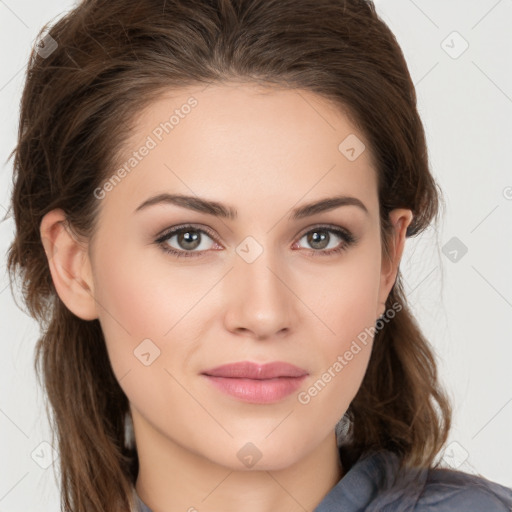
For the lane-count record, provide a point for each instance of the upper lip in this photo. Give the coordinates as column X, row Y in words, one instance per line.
column 250, row 370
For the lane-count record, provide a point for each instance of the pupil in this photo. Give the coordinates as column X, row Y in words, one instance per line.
column 189, row 240
column 314, row 239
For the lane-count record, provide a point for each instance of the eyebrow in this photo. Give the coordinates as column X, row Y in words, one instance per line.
column 227, row 212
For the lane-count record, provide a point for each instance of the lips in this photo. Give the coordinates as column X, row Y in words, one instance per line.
column 254, row 383
column 248, row 370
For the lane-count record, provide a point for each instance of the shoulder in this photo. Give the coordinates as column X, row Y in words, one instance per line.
column 390, row 489
column 450, row 490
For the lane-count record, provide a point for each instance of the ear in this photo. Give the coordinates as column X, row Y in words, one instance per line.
column 69, row 264
column 400, row 218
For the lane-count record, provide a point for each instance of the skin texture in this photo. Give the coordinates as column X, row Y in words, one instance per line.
column 263, row 152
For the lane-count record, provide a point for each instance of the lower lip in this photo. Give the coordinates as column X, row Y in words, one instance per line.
column 257, row 391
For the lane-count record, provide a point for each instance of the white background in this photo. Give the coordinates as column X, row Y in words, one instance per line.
column 464, row 307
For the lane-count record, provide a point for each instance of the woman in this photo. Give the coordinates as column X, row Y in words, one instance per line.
column 211, row 202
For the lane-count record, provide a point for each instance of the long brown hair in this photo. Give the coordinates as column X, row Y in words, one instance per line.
column 111, row 59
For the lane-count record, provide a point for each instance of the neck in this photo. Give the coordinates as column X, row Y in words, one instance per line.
column 172, row 477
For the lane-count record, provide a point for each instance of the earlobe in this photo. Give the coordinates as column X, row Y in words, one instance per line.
column 400, row 219
column 69, row 265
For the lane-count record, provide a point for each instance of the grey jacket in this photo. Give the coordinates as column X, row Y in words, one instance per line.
column 374, row 483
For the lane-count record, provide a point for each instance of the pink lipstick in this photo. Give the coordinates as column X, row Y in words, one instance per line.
column 255, row 383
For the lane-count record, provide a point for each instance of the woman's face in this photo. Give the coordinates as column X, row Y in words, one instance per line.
column 255, row 276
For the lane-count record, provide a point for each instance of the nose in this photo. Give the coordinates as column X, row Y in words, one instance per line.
column 259, row 301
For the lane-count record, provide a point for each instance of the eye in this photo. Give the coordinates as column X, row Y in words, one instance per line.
column 323, row 242
column 189, row 241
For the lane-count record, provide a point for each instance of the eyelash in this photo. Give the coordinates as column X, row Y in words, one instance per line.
column 346, row 236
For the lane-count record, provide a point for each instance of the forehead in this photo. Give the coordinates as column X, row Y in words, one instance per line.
column 246, row 142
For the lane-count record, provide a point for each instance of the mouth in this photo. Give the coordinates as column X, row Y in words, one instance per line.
column 254, row 383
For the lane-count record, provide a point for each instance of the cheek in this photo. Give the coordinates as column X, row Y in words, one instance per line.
column 142, row 291
column 135, row 287
column 128, row 307
column 347, row 298
column 148, row 312
column 347, row 304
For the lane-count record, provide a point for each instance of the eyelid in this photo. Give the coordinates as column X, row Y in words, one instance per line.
column 327, row 226
column 200, row 227
column 167, row 232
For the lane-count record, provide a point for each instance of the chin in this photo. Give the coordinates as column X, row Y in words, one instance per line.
column 246, row 455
